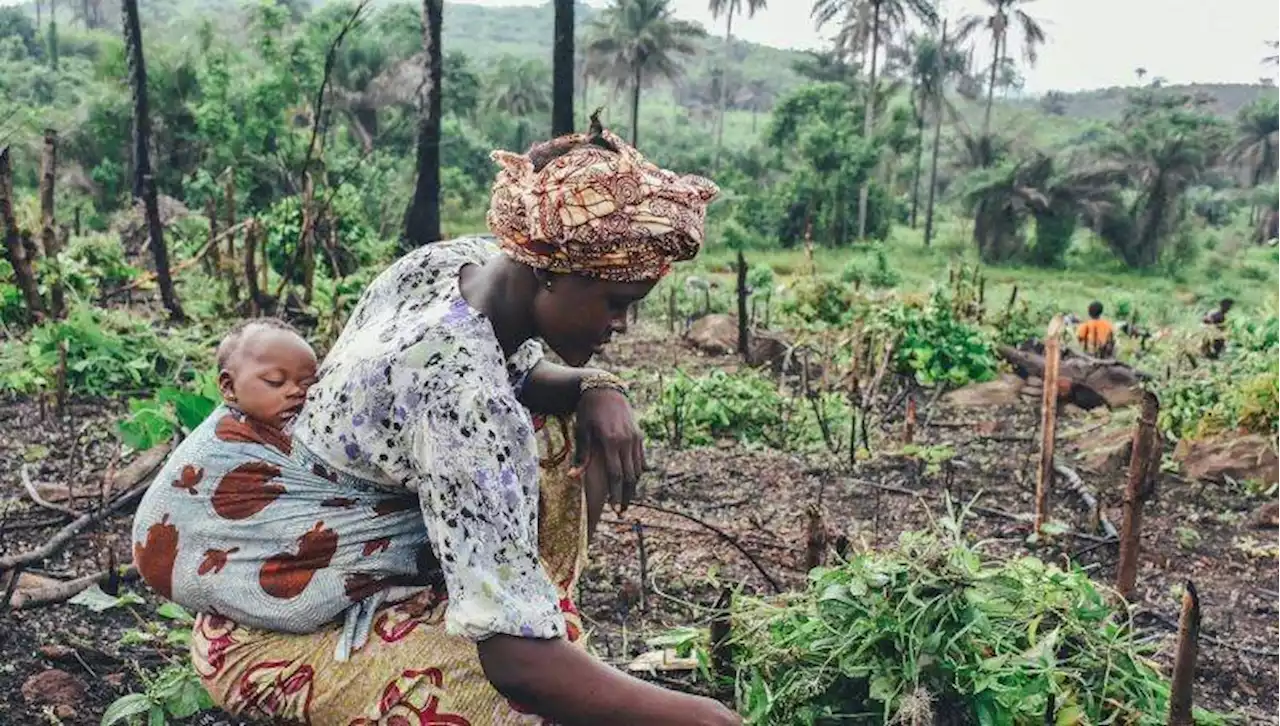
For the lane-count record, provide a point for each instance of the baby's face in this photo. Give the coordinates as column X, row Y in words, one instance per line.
column 268, row 376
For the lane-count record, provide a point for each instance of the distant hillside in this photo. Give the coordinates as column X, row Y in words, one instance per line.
column 488, row 32
column 1106, row 104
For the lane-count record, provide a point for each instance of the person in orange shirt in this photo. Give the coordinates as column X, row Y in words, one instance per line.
column 1097, row 337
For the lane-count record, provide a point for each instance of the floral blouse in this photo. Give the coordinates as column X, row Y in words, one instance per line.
column 417, row 394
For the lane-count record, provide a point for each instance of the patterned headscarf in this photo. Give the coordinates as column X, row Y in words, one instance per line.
column 598, row 213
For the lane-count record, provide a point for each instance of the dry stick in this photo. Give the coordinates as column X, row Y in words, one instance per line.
column 1184, row 662
column 14, row 576
column 66, row 590
column 69, row 532
column 723, row 535
column 60, row 393
column 200, row 253
column 721, row 630
column 1048, row 422
column 1076, row 485
column 30, row 486
column 1140, row 466
column 909, row 432
column 644, row 564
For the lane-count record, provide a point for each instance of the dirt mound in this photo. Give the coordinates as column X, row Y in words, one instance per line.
column 1240, row 457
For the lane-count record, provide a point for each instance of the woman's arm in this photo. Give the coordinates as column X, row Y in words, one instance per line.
column 562, row 683
column 552, row 389
column 606, row 424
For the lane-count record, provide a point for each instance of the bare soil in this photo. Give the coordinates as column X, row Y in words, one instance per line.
column 756, row 498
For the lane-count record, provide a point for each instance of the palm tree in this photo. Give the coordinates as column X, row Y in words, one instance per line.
column 562, row 70
column 1005, row 197
column 518, row 89
column 885, row 15
column 1141, row 73
column 929, row 63
column 144, row 186
column 996, row 25
column 422, row 220
column 1273, row 58
column 729, row 8
column 638, row 40
column 1255, row 147
column 1168, row 143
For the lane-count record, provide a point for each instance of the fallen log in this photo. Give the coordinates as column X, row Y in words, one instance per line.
column 1083, row 380
column 63, row 591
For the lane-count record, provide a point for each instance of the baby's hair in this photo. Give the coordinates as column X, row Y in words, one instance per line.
column 231, row 341
column 548, row 151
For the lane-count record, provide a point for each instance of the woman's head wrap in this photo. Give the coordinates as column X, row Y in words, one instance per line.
column 592, row 211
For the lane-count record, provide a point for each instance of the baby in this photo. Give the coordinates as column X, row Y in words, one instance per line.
column 243, row 523
column 264, row 371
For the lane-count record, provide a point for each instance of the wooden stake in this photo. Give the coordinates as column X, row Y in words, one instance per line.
column 1048, row 422
column 744, row 330
column 910, row 433
column 815, row 552
column 1184, row 662
column 61, row 392
column 644, row 565
column 1141, row 465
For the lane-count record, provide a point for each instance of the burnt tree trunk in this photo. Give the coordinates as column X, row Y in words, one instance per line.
column 422, row 222
column 15, row 251
column 144, row 187
column 562, row 70
column 48, row 234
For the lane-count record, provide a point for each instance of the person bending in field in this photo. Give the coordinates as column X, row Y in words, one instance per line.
column 1097, row 336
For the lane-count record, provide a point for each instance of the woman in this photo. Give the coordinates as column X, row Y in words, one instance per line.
column 429, row 390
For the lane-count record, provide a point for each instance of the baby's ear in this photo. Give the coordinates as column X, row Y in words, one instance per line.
column 226, row 386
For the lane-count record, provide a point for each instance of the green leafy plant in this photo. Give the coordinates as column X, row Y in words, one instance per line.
column 937, row 347
column 934, row 626
column 153, row 421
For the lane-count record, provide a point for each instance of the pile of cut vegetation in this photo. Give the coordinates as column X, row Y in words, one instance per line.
column 933, row 632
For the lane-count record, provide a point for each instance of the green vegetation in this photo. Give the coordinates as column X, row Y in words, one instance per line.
column 882, row 192
column 933, row 626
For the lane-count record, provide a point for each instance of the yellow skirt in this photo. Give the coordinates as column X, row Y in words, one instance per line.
column 410, row 672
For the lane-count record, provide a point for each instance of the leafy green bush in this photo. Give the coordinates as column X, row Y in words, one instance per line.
column 876, row 272
column 935, row 627
column 935, row 346
column 109, row 352
column 815, row 299
column 153, row 421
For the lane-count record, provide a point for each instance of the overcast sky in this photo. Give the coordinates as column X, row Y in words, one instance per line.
column 1092, row 43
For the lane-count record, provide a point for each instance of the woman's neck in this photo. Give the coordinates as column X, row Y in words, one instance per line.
column 503, row 290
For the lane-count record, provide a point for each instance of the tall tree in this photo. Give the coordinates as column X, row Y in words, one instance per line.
column 1003, row 13
column 728, row 8
column 886, row 15
column 1257, row 143
column 518, row 89
column 562, row 70
column 144, row 186
column 422, row 221
column 638, row 41
column 929, row 64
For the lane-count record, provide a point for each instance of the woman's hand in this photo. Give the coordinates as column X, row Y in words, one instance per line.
column 606, row 427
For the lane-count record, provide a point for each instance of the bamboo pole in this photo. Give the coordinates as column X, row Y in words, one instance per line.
column 1141, row 463
column 1048, row 422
